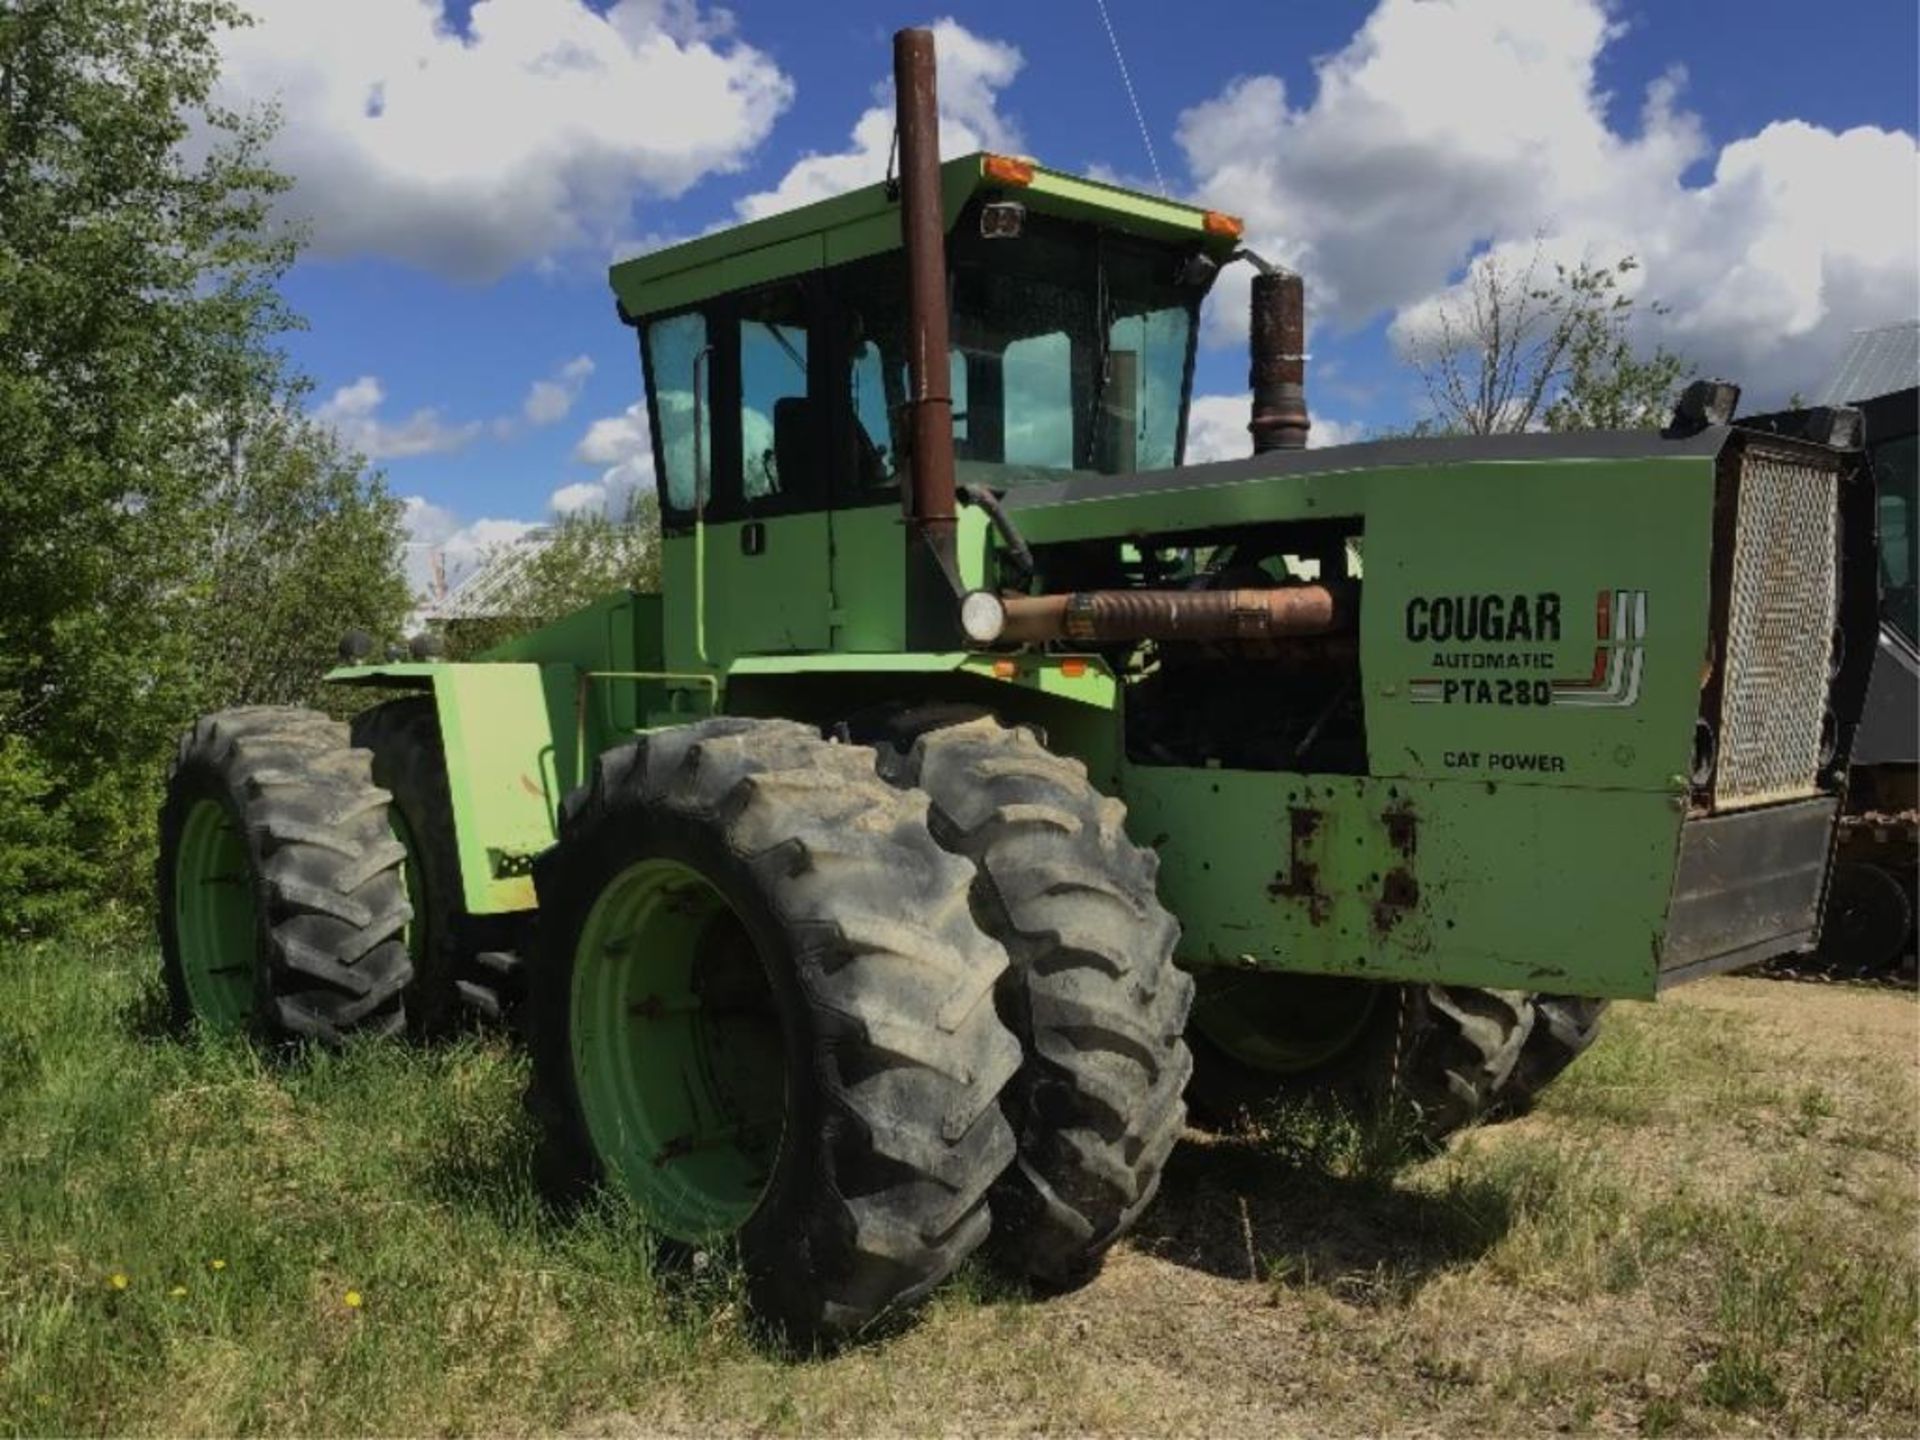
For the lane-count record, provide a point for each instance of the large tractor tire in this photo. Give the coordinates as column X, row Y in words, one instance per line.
column 763, row 1010
column 282, row 903
column 1435, row 1057
column 1092, row 992
column 463, row 965
column 1868, row 925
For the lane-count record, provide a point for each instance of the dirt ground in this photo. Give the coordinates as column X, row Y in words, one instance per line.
column 1400, row 1329
column 1685, row 1238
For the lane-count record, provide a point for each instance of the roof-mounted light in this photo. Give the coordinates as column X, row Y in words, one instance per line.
column 1007, row 170
column 1217, row 222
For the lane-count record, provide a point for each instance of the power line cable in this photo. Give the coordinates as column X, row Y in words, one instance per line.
column 1132, row 99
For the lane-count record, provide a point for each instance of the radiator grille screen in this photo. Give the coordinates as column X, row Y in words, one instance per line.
column 1780, row 619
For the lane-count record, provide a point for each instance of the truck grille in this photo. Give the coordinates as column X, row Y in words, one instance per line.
column 1780, row 619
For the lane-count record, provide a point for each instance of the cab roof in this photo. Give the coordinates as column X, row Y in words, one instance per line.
column 866, row 222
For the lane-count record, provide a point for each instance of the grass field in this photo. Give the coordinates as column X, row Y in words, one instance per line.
column 1710, row 1225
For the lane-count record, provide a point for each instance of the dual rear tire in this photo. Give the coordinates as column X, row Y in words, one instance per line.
column 466, row 967
column 763, row 1010
column 283, row 903
column 1431, row 1059
column 1092, row 990
column 962, row 971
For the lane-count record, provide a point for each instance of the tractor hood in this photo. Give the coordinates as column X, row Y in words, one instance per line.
column 1052, row 506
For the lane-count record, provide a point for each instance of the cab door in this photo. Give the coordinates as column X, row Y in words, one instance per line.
column 769, row 540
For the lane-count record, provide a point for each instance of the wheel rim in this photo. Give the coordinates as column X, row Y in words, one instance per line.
column 678, row 1055
column 214, row 916
column 1284, row 1024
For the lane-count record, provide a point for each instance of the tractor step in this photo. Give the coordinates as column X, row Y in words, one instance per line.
column 479, row 997
column 501, row 962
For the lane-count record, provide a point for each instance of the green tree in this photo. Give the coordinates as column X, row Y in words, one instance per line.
column 298, row 544
column 589, row 555
column 1607, row 384
column 140, row 374
column 572, row 563
column 1516, row 351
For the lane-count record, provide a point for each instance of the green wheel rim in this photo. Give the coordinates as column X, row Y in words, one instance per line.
column 1285, row 1024
column 214, row 916
column 678, row 1054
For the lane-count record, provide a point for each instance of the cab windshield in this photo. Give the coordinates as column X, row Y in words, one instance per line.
column 1072, row 348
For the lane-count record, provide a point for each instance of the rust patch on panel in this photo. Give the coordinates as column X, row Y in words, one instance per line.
column 1301, row 879
column 1399, row 893
column 1403, row 828
column 1399, row 890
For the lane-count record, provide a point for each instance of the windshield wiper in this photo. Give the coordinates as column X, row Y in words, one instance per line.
column 1102, row 352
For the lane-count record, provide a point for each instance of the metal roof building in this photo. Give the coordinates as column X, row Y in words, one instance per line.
column 1877, row 362
column 489, row 592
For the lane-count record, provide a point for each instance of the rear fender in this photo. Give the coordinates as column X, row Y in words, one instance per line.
column 508, row 734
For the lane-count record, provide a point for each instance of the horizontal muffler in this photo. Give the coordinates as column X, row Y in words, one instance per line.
column 1277, row 613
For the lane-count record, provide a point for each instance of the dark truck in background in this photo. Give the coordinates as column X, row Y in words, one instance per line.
column 1871, row 903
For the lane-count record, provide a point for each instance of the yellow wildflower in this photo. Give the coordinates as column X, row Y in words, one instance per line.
column 217, row 1264
column 177, row 1291
column 353, row 1299
column 118, row 1280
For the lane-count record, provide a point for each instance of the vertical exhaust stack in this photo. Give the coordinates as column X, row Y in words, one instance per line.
column 928, row 498
column 1277, row 340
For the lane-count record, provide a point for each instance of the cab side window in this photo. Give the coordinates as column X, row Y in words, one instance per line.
column 780, row 453
column 679, row 369
column 731, row 389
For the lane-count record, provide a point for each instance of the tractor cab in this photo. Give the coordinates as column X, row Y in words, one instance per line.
column 777, row 369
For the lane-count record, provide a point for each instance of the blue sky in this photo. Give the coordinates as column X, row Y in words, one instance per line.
column 468, row 172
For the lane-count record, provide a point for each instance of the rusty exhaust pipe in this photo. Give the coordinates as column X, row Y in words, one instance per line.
column 1284, row 612
column 928, row 497
column 1277, row 344
column 934, row 593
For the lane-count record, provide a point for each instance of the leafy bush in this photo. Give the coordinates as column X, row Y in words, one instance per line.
column 174, row 536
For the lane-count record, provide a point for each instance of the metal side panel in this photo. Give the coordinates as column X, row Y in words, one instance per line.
column 1747, row 887
column 508, row 733
column 1889, row 731
column 1524, row 887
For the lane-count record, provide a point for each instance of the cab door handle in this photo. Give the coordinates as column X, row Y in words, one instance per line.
column 753, row 538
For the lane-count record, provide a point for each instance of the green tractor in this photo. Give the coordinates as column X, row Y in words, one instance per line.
column 873, row 890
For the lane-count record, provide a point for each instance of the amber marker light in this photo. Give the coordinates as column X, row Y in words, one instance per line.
column 1073, row 669
column 1005, row 669
column 1218, row 223
column 1009, row 171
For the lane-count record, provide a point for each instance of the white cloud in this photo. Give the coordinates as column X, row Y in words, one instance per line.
column 444, row 550
column 1217, row 429
column 353, row 412
column 619, row 446
column 615, row 438
column 622, row 446
column 973, row 70
column 549, row 401
column 1446, row 126
column 532, row 133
